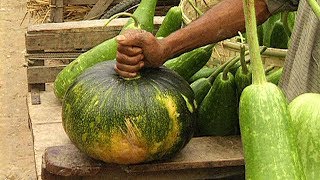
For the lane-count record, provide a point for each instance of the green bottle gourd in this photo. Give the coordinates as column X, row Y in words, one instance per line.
column 218, row 112
column 275, row 76
column 171, row 22
column 269, row 144
column 305, row 113
column 202, row 73
column 187, row 64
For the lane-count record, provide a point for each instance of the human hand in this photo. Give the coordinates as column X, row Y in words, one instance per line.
column 138, row 49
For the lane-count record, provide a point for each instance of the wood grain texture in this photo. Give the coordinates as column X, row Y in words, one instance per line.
column 72, row 36
column 200, row 153
column 98, row 9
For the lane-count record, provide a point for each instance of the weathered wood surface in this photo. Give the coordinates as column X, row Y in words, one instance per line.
column 228, row 49
column 202, row 154
column 43, row 74
column 56, row 11
column 74, row 36
column 45, row 122
column 98, row 9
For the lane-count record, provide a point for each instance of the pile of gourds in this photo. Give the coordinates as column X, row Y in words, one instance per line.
column 154, row 115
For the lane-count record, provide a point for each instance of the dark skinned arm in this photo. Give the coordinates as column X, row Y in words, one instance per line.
column 137, row 49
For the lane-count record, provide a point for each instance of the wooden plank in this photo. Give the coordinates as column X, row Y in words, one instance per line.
column 46, row 124
column 225, row 173
column 98, row 9
column 70, row 36
column 48, row 112
column 202, row 153
column 43, row 74
column 52, row 56
column 56, row 11
column 46, row 135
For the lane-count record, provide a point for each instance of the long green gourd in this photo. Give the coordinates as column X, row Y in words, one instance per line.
column 270, row 147
column 315, row 7
column 171, row 22
column 187, row 64
column 275, row 76
column 305, row 113
column 268, row 28
column 202, row 73
column 104, row 51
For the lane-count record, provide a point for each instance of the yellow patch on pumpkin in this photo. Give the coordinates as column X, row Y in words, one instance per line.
column 125, row 146
column 174, row 131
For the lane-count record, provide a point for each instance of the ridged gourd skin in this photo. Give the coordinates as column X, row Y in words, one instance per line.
column 305, row 113
column 270, row 147
column 217, row 114
column 129, row 121
column 106, row 50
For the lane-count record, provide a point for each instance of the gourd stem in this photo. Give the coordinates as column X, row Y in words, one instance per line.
column 226, row 69
column 136, row 21
column 258, row 76
column 284, row 20
column 315, row 7
column 213, row 76
column 243, row 60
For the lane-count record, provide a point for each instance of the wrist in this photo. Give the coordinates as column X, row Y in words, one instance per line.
column 167, row 50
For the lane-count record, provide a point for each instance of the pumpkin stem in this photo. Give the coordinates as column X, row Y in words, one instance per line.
column 136, row 21
column 258, row 75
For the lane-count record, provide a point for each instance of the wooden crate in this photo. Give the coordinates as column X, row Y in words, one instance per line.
column 99, row 6
column 49, row 48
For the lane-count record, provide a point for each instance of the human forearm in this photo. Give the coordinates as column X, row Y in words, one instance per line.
column 220, row 22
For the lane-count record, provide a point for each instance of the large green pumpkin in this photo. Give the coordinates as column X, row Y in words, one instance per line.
column 129, row 121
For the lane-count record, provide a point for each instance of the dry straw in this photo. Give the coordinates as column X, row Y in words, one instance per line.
column 40, row 11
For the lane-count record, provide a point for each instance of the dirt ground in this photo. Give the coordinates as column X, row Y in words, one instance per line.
column 16, row 144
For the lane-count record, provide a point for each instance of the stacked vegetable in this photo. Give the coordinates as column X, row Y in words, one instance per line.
column 154, row 115
column 276, row 31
